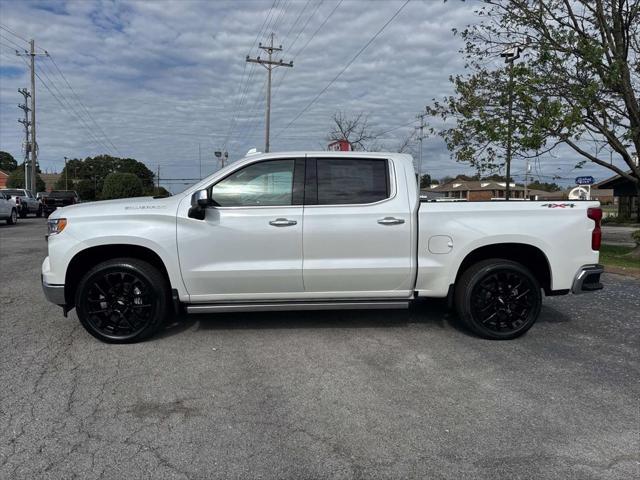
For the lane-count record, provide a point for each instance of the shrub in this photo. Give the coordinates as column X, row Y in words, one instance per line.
column 16, row 180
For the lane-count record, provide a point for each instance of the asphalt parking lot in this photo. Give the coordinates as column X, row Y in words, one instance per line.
column 353, row 395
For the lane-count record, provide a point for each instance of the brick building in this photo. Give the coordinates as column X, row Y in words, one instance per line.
column 482, row 190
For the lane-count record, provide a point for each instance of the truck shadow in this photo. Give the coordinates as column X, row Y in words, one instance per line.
column 427, row 311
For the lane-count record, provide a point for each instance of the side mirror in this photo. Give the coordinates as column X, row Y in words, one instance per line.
column 199, row 202
column 200, row 199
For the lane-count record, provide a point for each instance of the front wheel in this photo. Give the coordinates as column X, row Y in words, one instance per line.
column 123, row 300
column 498, row 299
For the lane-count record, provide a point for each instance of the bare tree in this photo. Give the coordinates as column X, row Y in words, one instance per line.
column 354, row 129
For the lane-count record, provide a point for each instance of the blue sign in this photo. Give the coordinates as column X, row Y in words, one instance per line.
column 585, row 180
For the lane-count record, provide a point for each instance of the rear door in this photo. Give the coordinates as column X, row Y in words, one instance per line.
column 357, row 229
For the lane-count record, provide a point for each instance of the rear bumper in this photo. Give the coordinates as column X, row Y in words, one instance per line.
column 587, row 279
column 54, row 293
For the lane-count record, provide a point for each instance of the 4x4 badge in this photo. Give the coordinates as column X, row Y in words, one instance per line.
column 559, row 205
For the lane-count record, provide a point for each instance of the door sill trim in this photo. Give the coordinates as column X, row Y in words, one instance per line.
column 284, row 306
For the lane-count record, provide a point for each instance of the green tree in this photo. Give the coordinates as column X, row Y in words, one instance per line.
column 122, row 185
column 85, row 189
column 576, row 83
column 7, row 162
column 546, row 186
column 425, row 180
column 96, row 169
column 16, row 180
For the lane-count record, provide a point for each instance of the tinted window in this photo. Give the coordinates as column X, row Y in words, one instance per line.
column 348, row 181
column 261, row 184
column 62, row 194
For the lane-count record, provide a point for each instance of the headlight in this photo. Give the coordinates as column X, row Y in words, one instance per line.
column 56, row 225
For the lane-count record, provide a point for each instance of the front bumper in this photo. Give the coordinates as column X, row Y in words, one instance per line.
column 54, row 293
column 587, row 279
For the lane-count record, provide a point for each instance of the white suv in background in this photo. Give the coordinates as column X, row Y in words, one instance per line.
column 26, row 202
column 8, row 210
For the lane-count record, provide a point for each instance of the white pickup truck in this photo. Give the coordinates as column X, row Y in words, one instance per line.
column 315, row 230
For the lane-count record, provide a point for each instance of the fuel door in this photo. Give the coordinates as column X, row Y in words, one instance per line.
column 440, row 244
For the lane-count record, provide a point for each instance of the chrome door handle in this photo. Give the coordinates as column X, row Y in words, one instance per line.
column 282, row 222
column 390, row 221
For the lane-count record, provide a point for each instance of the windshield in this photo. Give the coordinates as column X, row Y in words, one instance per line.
column 62, row 194
column 19, row 193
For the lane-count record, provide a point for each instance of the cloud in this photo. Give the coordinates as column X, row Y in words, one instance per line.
column 162, row 77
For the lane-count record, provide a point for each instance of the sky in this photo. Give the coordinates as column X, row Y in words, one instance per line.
column 166, row 81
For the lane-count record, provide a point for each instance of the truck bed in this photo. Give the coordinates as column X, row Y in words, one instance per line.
column 448, row 232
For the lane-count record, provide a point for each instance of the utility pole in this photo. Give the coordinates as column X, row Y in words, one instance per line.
column 526, row 178
column 421, row 137
column 200, row 160
column 269, row 64
column 66, row 175
column 510, row 55
column 158, row 179
column 27, row 146
column 34, row 146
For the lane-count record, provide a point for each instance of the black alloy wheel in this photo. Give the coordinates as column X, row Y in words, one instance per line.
column 122, row 300
column 498, row 299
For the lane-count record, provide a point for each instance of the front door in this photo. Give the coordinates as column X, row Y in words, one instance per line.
column 249, row 246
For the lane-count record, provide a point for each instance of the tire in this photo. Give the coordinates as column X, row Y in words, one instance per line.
column 13, row 218
column 124, row 300
column 39, row 212
column 498, row 299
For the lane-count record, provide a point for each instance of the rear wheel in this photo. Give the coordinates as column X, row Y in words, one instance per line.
column 13, row 218
column 123, row 300
column 498, row 299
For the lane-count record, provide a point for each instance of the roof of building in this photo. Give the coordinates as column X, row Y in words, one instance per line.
column 3, row 173
column 479, row 185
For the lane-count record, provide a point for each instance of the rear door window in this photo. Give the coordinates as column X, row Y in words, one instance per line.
column 347, row 181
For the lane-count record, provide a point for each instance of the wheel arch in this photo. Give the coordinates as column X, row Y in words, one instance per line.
column 86, row 259
column 532, row 257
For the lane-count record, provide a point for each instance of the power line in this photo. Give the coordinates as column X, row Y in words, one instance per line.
column 315, row 99
column 95, row 137
column 269, row 64
column 7, row 29
column 13, row 43
column 245, row 82
column 44, row 84
column 82, row 104
column 311, row 38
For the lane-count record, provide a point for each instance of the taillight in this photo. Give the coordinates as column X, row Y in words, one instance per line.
column 595, row 214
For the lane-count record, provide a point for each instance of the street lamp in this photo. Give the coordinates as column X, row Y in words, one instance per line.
column 510, row 55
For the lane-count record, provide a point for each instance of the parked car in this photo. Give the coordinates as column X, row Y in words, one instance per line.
column 8, row 210
column 42, row 195
column 59, row 198
column 315, row 230
column 26, row 203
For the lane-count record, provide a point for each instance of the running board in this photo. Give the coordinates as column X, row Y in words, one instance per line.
column 284, row 306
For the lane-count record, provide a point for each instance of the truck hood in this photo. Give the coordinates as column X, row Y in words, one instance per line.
column 121, row 206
